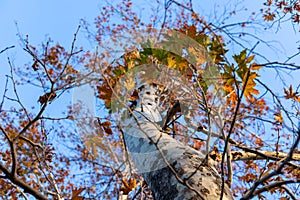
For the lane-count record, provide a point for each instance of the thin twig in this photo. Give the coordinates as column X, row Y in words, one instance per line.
column 71, row 53
column 4, row 93
column 231, row 130
column 7, row 49
column 15, row 89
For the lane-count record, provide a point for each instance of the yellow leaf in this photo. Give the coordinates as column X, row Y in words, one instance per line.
column 249, row 88
column 278, row 117
column 255, row 66
column 130, row 65
column 250, row 58
column 129, row 83
column 171, row 60
column 200, row 58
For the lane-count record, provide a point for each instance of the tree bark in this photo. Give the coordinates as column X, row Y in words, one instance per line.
column 171, row 169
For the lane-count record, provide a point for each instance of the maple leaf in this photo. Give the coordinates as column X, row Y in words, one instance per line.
column 129, row 83
column 35, row 65
column 290, row 94
column 75, row 194
column 91, row 145
column 297, row 99
column 249, row 88
column 296, row 18
column 197, row 54
column 171, row 62
column 128, row 186
column 269, row 16
column 105, row 93
column 106, row 127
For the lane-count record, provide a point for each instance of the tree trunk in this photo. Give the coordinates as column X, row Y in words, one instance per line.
column 171, row 169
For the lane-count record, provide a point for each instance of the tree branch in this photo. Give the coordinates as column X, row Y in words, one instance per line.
column 23, row 185
column 292, row 195
column 7, row 49
column 273, row 185
column 251, row 193
column 273, row 155
column 231, row 129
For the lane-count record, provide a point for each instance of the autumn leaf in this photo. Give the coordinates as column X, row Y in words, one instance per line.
column 215, row 155
column 255, row 66
column 259, row 142
column 129, row 84
column 198, row 144
column 130, row 64
column 296, row 18
column 105, row 93
column 35, row 65
column 269, row 16
column 171, row 61
column 250, row 58
column 249, row 90
column 297, row 98
column 48, row 97
column 91, row 145
column 290, row 94
column 278, row 117
column 75, row 194
column 106, row 127
column 128, row 186
column 71, row 70
column 197, row 54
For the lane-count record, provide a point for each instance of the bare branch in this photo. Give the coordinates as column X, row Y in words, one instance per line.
column 33, row 144
column 252, row 153
column 4, row 93
column 15, row 89
column 7, row 49
column 238, row 155
column 71, row 53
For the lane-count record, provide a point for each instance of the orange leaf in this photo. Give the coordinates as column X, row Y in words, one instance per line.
column 128, row 186
column 106, row 127
column 75, row 194
column 278, row 117
column 255, row 66
column 269, row 16
column 297, row 99
column 259, row 142
column 249, row 88
column 290, row 94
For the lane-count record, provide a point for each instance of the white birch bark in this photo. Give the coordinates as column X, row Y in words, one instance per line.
column 171, row 169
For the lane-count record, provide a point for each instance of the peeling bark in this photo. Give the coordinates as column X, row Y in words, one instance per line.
column 171, row 169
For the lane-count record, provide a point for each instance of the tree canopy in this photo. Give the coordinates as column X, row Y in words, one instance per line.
column 220, row 92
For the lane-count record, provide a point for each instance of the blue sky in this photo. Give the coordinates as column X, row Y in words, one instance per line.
column 59, row 19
